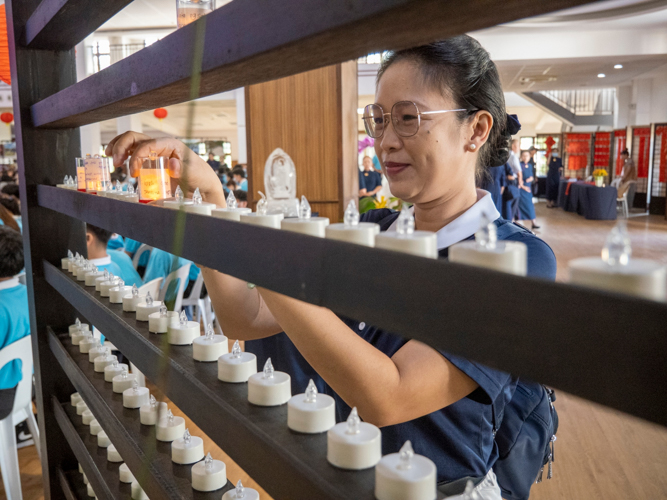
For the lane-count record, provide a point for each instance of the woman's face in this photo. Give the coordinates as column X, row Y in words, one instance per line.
column 368, row 163
column 435, row 163
column 525, row 157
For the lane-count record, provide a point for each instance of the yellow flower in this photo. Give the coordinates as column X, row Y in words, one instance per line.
column 381, row 202
column 600, row 172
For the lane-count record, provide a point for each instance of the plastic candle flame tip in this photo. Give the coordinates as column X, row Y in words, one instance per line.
column 135, row 290
column 311, row 392
column 163, row 310
column 351, row 216
column 617, row 249
column 209, row 332
column 70, row 255
column 115, row 363
column 124, row 372
column 130, row 189
column 170, row 416
column 405, row 456
column 208, row 462
column 135, row 386
column 149, row 299
column 178, row 194
column 353, row 422
column 153, row 401
column 268, row 369
column 236, row 350
column 187, row 437
column 183, row 318
column 305, row 211
column 405, row 224
column 262, row 204
column 196, row 197
column 231, row 200
column 240, row 490
column 487, row 235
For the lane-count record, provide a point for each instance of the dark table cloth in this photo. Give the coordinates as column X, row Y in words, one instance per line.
column 594, row 203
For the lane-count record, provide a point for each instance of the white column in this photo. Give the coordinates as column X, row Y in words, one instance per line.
column 91, row 140
column 242, row 154
column 129, row 122
column 644, row 90
column 623, row 104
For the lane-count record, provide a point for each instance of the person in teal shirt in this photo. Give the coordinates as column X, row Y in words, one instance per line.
column 96, row 242
column 161, row 263
column 127, row 270
column 131, row 247
column 115, row 242
column 14, row 319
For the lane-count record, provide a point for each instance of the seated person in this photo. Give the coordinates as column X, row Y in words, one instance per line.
column 161, row 263
column 14, row 319
column 238, row 174
column 131, row 248
column 230, row 186
column 96, row 241
column 115, row 242
column 7, row 217
column 241, row 198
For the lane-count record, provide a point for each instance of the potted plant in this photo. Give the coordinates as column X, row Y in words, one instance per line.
column 599, row 175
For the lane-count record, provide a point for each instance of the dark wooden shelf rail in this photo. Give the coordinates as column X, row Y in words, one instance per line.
column 465, row 312
column 72, row 485
column 255, row 41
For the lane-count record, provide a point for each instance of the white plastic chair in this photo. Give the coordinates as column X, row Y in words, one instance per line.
column 151, row 286
column 179, row 274
column 623, row 200
column 143, row 248
column 200, row 304
column 9, row 460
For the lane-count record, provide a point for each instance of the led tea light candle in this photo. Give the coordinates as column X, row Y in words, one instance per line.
column 81, row 271
column 64, row 262
column 113, row 370
column 125, row 475
column 179, row 202
column 95, row 352
column 92, row 275
column 237, row 366
column 354, row 444
column 311, row 412
column 146, row 308
column 182, row 332
column 269, row 388
column 353, row 231
column 405, row 475
column 131, row 300
column 117, row 293
column 131, row 195
column 74, row 266
column 199, row 206
column 151, row 412
column 158, row 322
column 73, row 261
column 113, row 455
column 90, row 491
column 406, row 239
column 135, row 396
column 87, row 417
column 78, row 326
column 88, row 343
column 106, row 286
column 232, row 211
column 101, row 362
column 98, row 176
column 65, row 183
column 486, row 251
column 209, row 475
column 136, row 492
column 75, row 398
column 102, row 279
column 617, row 272
column 77, row 337
column 170, row 427
column 95, row 427
column 102, row 439
column 154, row 182
column 187, row 449
column 305, row 223
column 81, row 406
column 209, row 347
column 241, row 493
column 262, row 217
column 124, row 381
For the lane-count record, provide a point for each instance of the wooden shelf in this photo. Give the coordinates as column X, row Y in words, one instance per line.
column 72, row 485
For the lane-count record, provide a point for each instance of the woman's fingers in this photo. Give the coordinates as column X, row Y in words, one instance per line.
column 123, row 145
column 163, row 147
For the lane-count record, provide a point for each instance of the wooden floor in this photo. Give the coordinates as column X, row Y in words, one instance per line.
column 600, row 453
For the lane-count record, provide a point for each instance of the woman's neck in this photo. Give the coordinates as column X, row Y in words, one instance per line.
column 435, row 215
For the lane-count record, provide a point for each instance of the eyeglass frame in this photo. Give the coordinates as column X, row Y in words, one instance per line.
column 419, row 114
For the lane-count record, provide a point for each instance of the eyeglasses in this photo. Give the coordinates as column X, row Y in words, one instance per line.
column 405, row 116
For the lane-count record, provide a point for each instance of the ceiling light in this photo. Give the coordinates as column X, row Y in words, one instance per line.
column 601, row 75
column 618, row 66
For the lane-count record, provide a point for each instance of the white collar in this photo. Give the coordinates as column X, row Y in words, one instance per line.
column 10, row 283
column 102, row 261
column 466, row 224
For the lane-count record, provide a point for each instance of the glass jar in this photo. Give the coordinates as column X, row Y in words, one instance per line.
column 188, row 11
column 154, row 181
column 98, row 173
column 80, row 175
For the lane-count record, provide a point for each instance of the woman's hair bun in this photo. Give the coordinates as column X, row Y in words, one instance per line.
column 499, row 151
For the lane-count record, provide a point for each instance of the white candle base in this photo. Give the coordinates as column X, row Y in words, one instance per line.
column 250, row 494
column 135, row 398
column 87, row 344
column 84, row 327
column 315, row 226
column 641, row 277
column 92, row 276
column 267, row 220
column 113, row 455
column 137, row 492
column 143, row 310
column 117, row 293
column 272, row 391
column 95, row 427
column 77, row 337
column 98, row 282
column 311, row 418
column 176, row 205
column 121, row 384
column 362, row 234
column 149, row 415
column 125, row 475
column 420, row 243
column 178, row 334
column 130, row 302
column 105, row 286
column 96, row 352
column 112, row 371
column 209, row 480
column 209, row 350
column 230, row 213
column 90, row 491
column 169, row 431
column 64, row 263
column 101, row 362
column 187, row 453
column 81, row 274
column 202, row 209
column 103, row 440
column 354, row 451
column 81, row 406
column 87, row 417
column 395, row 483
column 75, row 398
column 160, row 324
column 508, row 256
column 85, row 478
column 237, row 370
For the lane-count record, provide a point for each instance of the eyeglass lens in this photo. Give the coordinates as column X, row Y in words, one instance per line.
column 404, row 117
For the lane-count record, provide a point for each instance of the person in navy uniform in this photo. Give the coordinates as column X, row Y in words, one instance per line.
column 555, row 168
column 439, row 117
column 370, row 180
column 526, row 207
column 495, row 181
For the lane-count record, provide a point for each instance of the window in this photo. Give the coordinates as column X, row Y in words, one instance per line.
column 101, row 55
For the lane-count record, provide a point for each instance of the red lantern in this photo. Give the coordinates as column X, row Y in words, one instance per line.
column 7, row 118
column 160, row 113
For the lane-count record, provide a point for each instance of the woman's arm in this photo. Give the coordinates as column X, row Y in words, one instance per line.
column 416, row 381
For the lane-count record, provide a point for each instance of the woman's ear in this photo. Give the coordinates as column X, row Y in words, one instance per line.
column 480, row 128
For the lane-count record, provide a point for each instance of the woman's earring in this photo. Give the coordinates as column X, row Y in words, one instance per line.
column 472, row 147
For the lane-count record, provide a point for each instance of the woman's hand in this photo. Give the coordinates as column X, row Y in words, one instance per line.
column 186, row 168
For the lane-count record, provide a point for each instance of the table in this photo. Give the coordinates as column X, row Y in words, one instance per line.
column 594, row 203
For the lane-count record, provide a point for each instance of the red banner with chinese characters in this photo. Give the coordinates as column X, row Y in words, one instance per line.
column 602, row 150
column 578, row 150
column 620, row 138
column 661, row 132
column 641, row 139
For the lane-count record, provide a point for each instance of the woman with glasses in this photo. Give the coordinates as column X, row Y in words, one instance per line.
column 438, row 121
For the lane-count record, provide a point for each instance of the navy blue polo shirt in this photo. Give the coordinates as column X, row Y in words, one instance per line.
column 369, row 179
column 459, row 437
